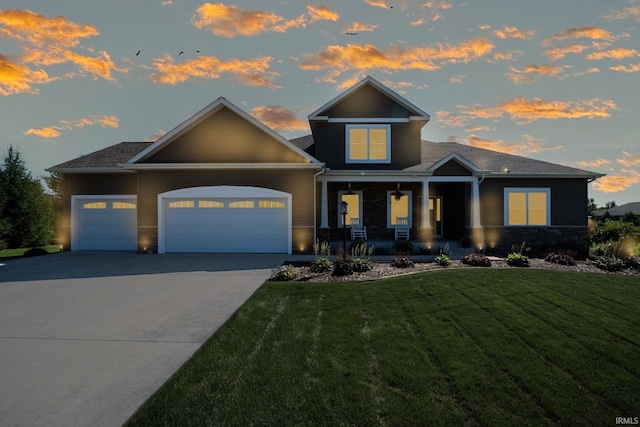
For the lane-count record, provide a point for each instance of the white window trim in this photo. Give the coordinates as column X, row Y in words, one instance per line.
column 410, row 208
column 367, row 126
column 359, row 194
column 527, row 190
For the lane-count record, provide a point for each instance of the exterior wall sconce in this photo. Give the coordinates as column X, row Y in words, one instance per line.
column 398, row 194
column 349, row 190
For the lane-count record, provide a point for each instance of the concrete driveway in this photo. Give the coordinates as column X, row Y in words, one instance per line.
column 87, row 337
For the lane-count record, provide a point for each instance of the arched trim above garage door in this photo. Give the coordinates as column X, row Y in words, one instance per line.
column 205, row 219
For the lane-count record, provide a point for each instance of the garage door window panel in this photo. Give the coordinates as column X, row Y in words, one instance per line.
column 243, row 204
column 123, row 205
column 182, row 204
column 95, row 205
column 210, row 204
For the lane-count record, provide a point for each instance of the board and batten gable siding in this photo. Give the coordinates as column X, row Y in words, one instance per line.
column 225, row 137
column 367, row 102
column 568, row 199
column 330, row 146
column 452, row 168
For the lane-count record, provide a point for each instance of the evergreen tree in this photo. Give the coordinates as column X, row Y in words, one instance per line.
column 25, row 210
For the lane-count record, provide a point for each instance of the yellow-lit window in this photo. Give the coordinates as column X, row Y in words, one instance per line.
column 368, row 143
column 354, row 207
column 270, row 204
column 242, row 204
column 123, row 205
column 527, row 206
column 182, row 204
column 398, row 208
column 211, row 204
column 95, row 205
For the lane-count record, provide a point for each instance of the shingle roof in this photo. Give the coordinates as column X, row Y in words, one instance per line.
column 107, row 158
column 633, row 207
column 492, row 161
column 485, row 160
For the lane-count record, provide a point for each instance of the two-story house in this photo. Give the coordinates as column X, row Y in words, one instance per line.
column 221, row 181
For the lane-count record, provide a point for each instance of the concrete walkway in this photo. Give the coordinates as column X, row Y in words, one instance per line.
column 87, row 337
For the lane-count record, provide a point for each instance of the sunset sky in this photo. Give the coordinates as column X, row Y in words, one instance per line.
column 552, row 80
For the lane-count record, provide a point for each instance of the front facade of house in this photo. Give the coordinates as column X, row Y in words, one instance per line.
column 223, row 182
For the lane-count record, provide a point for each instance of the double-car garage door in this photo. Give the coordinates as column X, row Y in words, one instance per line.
column 202, row 219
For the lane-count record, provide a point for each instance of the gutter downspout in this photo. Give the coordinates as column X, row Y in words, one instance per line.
column 315, row 201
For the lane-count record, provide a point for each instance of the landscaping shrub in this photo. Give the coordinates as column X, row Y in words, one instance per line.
column 402, row 247
column 516, row 258
column 476, row 260
column 402, row 262
column 442, row 260
column 609, row 263
column 343, row 267
column 560, row 257
column 361, row 255
column 285, row 273
column 362, row 265
column 613, row 231
column 322, row 263
column 35, row 252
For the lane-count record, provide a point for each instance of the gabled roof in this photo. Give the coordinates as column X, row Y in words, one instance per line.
column 495, row 163
column 202, row 115
column 105, row 160
column 633, row 207
column 417, row 113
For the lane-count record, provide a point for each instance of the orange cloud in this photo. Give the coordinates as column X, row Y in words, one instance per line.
column 457, row 79
column 45, row 42
column 279, row 118
column 588, row 32
column 631, row 68
column 438, row 5
column 514, row 33
column 507, row 56
column 377, row 3
column 50, row 132
column 524, row 111
column 556, row 53
column 529, row 146
column 619, row 53
column 321, row 12
column 629, row 159
column 338, row 59
column 155, row 136
column 627, row 12
column 401, row 87
column 417, row 22
column 251, row 72
column 526, row 75
column 597, row 163
column 616, row 183
column 231, row 21
column 17, row 78
column 358, row 27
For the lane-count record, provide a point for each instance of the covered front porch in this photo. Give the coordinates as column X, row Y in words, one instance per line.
column 438, row 208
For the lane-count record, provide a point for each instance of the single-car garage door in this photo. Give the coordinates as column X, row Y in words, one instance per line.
column 228, row 219
column 104, row 223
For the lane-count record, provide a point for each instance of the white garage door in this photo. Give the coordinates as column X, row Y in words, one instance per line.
column 104, row 223
column 225, row 219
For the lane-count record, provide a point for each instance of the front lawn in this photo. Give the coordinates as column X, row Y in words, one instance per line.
column 450, row 347
column 9, row 254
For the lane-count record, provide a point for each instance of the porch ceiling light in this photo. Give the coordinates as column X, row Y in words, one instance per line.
column 398, row 194
column 349, row 190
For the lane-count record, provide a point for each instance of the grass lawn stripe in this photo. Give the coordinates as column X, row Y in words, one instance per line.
column 588, row 330
column 495, row 396
column 548, row 383
column 416, row 389
column 604, row 379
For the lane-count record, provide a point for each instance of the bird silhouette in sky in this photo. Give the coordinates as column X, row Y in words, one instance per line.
column 181, row 52
column 138, row 52
column 352, row 34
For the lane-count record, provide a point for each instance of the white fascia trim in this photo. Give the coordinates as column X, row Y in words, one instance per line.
column 362, row 176
column 77, row 198
column 89, row 170
column 503, row 175
column 182, row 166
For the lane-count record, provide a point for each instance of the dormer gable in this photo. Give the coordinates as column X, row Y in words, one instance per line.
column 221, row 133
column 454, row 165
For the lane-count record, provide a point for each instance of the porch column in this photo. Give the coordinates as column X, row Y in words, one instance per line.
column 475, row 204
column 324, row 206
column 426, row 214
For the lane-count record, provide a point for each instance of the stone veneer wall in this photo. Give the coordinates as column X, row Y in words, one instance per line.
column 570, row 237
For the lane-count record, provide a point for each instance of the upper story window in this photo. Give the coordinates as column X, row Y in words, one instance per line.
column 368, row 143
column 527, row 206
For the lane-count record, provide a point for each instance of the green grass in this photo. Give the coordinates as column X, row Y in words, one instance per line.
column 496, row 347
column 9, row 254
